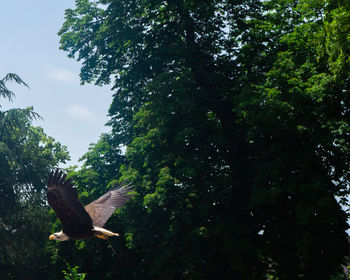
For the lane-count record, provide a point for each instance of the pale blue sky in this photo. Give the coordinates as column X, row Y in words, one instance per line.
column 73, row 114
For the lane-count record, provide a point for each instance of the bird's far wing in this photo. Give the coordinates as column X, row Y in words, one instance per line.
column 63, row 198
column 102, row 208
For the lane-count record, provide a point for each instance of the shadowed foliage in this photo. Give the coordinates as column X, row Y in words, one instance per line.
column 26, row 156
column 235, row 120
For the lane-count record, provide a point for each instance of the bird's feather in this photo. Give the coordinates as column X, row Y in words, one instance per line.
column 102, row 208
column 63, row 199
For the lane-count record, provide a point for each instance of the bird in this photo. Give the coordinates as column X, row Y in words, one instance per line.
column 79, row 222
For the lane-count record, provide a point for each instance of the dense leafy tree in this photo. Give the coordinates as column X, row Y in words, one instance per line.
column 235, row 121
column 26, row 156
column 299, row 133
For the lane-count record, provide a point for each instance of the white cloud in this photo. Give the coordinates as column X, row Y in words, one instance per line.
column 61, row 74
column 81, row 112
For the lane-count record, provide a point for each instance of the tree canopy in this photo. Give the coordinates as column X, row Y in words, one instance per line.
column 235, row 120
column 27, row 155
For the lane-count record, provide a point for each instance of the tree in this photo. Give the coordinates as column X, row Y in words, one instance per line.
column 27, row 155
column 231, row 123
column 302, row 164
column 4, row 91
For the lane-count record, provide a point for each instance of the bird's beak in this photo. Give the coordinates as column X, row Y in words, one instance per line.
column 52, row 237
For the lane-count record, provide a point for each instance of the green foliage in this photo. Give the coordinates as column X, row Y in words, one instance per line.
column 4, row 91
column 27, row 155
column 234, row 117
column 73, row 274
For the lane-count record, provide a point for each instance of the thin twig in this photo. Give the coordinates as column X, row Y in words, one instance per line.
column 110, row 244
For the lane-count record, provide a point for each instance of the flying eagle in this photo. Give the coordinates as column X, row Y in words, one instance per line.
column 82, row 222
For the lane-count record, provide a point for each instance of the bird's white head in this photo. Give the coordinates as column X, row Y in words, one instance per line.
column 59, row 236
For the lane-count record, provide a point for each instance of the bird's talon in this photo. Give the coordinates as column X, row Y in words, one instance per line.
column 102, row 236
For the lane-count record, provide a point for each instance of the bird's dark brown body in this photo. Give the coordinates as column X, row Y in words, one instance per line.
column 79, row 231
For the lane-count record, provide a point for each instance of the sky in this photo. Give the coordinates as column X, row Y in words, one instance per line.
column 73, row 114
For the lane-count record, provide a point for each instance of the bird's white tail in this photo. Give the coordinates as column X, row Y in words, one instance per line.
column 103, row 231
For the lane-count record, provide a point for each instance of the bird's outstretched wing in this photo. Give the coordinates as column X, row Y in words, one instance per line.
column 102, row 208
column 63, row 198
